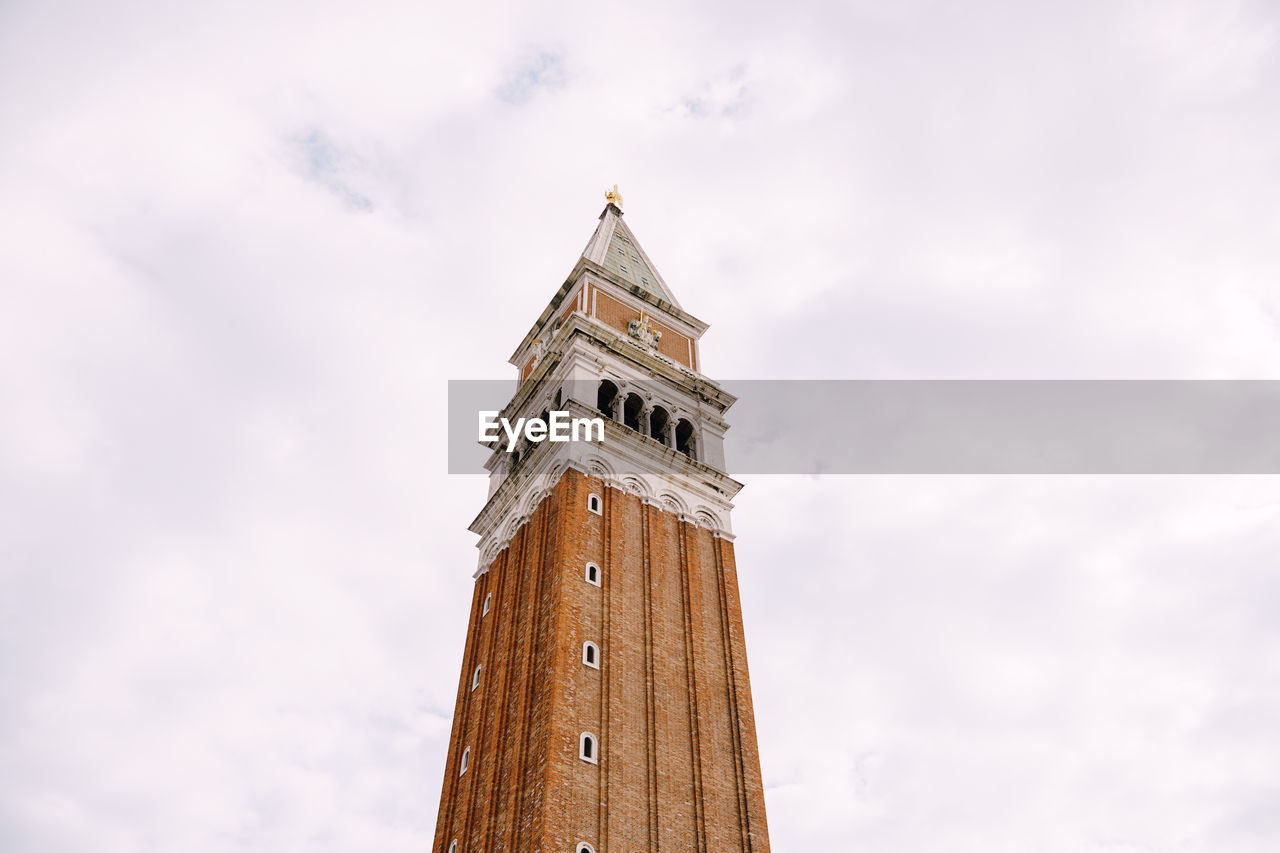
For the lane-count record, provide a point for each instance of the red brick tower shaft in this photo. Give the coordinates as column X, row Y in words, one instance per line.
column 604, row 702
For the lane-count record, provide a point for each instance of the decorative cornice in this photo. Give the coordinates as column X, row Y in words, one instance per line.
column 509, row 509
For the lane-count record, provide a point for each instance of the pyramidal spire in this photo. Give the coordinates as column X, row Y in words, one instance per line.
column 615, row 248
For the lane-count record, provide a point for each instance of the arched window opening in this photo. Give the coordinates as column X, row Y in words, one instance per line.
column 593, row 504
column 593, row 574
column 453, row 847
column 475, row 677
column 466, row 761
column 587, row 749
column 590, row 655
column 659, row 425
column 607, row 399
column 685, row 442
column 583, row 847
column 631, row 411
column 487, row 599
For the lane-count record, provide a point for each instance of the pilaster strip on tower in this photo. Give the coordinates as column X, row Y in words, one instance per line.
column 476, row 716
column 525, row 700
column 726, row 632
column 504, row 630
column 461, row 718
column 691, row 669
column 651, row 754
column 539, row 684
column 486, row 762
column 606, row 568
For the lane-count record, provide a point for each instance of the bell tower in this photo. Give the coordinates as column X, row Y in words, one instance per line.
column 604, row 704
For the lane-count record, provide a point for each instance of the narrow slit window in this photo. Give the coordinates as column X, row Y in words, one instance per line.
column 593, row 574
column 475, row 677
column 466, row 761
column 587, row 748
column 453, row 847
column 487, row 599
column 591, row 655
column 593, row 504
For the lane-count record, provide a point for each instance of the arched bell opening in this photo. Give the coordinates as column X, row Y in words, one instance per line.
column 607, row 399
column 660, row 425
column 686, row 442
column 631, row 411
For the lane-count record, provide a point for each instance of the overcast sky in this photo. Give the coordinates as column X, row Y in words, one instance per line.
column 244, row 245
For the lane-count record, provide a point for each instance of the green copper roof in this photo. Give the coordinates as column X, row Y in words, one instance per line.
column 624, row 260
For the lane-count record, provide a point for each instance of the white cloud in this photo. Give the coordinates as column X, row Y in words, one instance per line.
column 247, row 245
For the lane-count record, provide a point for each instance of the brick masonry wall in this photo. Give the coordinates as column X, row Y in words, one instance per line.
column 673, row 345
column 678, row 767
